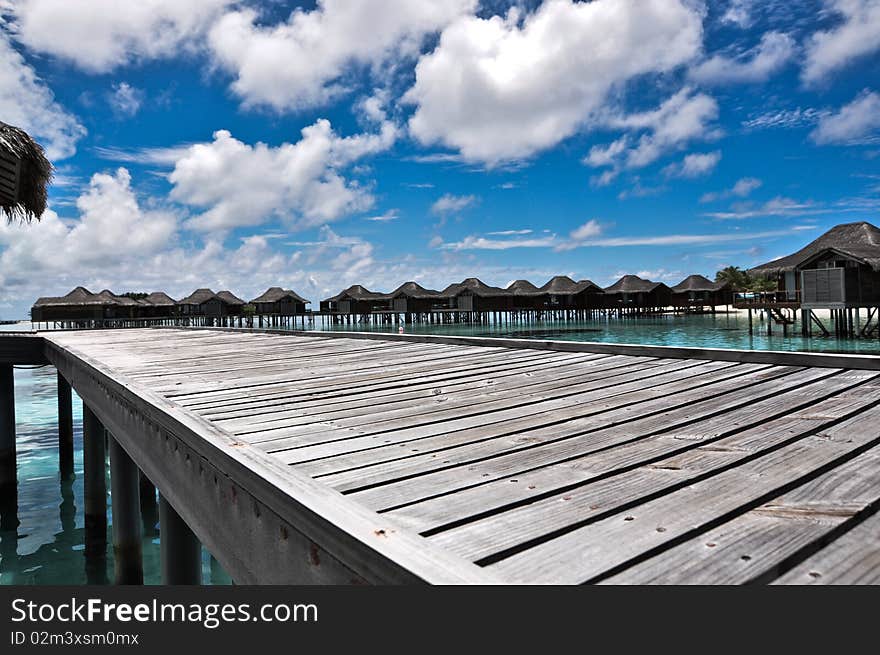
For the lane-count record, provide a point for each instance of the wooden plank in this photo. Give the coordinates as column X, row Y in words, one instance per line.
column 853, row 558
column 567, row 443
column 612, row 475
column 598, row 549
column 756, row 544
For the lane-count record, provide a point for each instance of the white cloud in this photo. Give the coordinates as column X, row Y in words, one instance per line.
column 778, row 206
column 126, row 100
column 302, row 183
column 26, row 102
column 756, row 65
column 589, row 230
column 303, row 62
column 742, row 189
column 694, row 165
column 680, row 119
column 452, row 204
column 856, row 122
column 153, row 156
column 501, row 89
column 509, row 233
column 784, row 118
column 111, row 229
column 390, row 215
column 739, row 13
column 100, row 35
column 856, row 36
column 473, row 242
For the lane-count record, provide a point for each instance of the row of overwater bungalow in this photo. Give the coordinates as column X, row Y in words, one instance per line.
column 560, row 298
column 81, row 308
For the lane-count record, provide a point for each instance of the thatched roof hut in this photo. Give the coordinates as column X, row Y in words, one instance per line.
column 472, row 294
column 231, row 299
column 277, row 294
column 356, row 299
column 83, row 304
column 280, row 301
column 413, row 290
column 697, row 283
column 160, row 299
column 523, row 288
column 638, row 292
column 24, row 174
column 198, row 297
column 859, row 241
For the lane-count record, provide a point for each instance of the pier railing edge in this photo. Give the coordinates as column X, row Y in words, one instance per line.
column 776, row 357
column 323, row 524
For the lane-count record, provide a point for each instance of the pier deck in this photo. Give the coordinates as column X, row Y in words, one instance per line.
column 368, row 458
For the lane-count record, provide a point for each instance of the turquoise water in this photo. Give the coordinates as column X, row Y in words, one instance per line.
column 47, row 547
column 721, row 330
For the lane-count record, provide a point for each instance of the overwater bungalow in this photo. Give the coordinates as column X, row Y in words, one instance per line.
column 280, row 302
column 234, row 304
column 841, row 268
column 158, row 305
column 697, row 292
column 357, row 299
column 24, row 174
column 203, row 302
column 413, row 298
column 526, row 296
column 639, row 295
column 564, row 293
column 83, row 305
column 473, row 295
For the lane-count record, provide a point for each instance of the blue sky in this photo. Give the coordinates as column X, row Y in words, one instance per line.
column 243, row 145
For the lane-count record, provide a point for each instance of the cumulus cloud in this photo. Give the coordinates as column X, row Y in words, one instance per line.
column 125, row 100
column 303, row 62
column 756, row 65
column 855, row 123
column 856, row 35
column 452, row 204
column 100, row 35
column 739, row 13
column 301, row 183
column 500, row 89
column 111, row 229
column 684, row 117
column 694, row 165
column 25, row 101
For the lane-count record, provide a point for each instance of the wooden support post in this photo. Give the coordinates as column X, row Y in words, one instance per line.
column 149, row 505
column 125, row 496
column 65, row 428
column 8, row 476
column 95, row 485
column 181, row 552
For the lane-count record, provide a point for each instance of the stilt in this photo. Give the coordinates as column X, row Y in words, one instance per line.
column 95, row 492
column 125, row 496
column 8, row 477
column 180, row 550
column 65, row 428
column 149, row 506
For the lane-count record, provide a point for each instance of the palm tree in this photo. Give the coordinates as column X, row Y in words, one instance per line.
column 24, row 174
column 738, row 279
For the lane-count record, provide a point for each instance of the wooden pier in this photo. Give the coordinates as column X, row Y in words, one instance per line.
column 368, row 458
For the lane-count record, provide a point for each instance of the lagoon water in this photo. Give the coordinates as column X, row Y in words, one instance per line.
column 47, row 547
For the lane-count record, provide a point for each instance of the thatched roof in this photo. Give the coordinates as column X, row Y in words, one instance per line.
column 358, row 292
column 230, row 298
column 861, row 241
column 413, row 290
column 476, row 287
column 81, row 296
column 24, row 174
column 698, row 283
column 160, row 299
column 633, row 284
column 523, row 288
column 562, row 285
column 198, row 297
column 276, row 294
